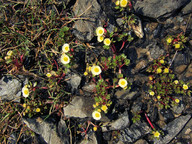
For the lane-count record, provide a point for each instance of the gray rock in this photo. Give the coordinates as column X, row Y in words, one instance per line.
column 172, row 129
column 155, row 50
column 89, row 88
column 167, row 115
column 186, row 132
column 158, row 8
column 10, row 88
column 139, row 66
column 178, row 109
column 47, row 131
column 85, row 29
column 121, row 123
column 187, row 75
column 141, row 141
column 181, row 62
column 181, row 59
column 126, row 94
column 80, row 107
column 137, row 105
column 136, row 131
column 187, row 9
column 74, row 81
column 91, row 139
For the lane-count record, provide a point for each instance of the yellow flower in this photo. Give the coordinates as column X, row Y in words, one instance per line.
column 123, row 3
column 28, row 108
column 25, row 92
column 38, row 110
column 176, row 81
column 100, row 31
column 177, row 46
column 169, row 40
column 24, row 105
column 117, row 3
column 65, row 48
column 96, row 115
column 99, row 110
column 159, row 70
column 7, row 57
column 166, row 70
column 162, row 61
column 95, row 128
column 156, row 134
column 26, row 86
column 185, row 87
column 9, row 53
column 158, row 97
column 48, row 75
column 150, row 78
column 122, row 83
column 96, row 70
column 104, row 108
column 65, row 59
column 85, row 73
column 107, row 41
column 97, row 104
column 125, row 88
column 177, row 100
column 94, row 106
column 89, row 68
column 100, row 38
column 152, row 93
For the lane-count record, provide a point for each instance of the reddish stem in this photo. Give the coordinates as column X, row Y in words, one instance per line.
column 56, row 64
column 113, row 48
column 149, row 121
column 61, row 78
column 123, row 44
column 94, row 79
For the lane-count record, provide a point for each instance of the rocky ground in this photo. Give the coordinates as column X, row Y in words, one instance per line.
column 156, row 20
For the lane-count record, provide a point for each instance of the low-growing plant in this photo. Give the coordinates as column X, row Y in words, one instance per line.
column 163, row 85
column 177, row 41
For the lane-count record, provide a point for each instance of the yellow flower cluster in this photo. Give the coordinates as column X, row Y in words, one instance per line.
column 100, row 36
column 65, row 58
column 95, row 70
column 97, row 113
column 122, row 3
column 9, row 54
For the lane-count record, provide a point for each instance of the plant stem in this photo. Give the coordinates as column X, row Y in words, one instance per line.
column 149, row 121
column 173, row 58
